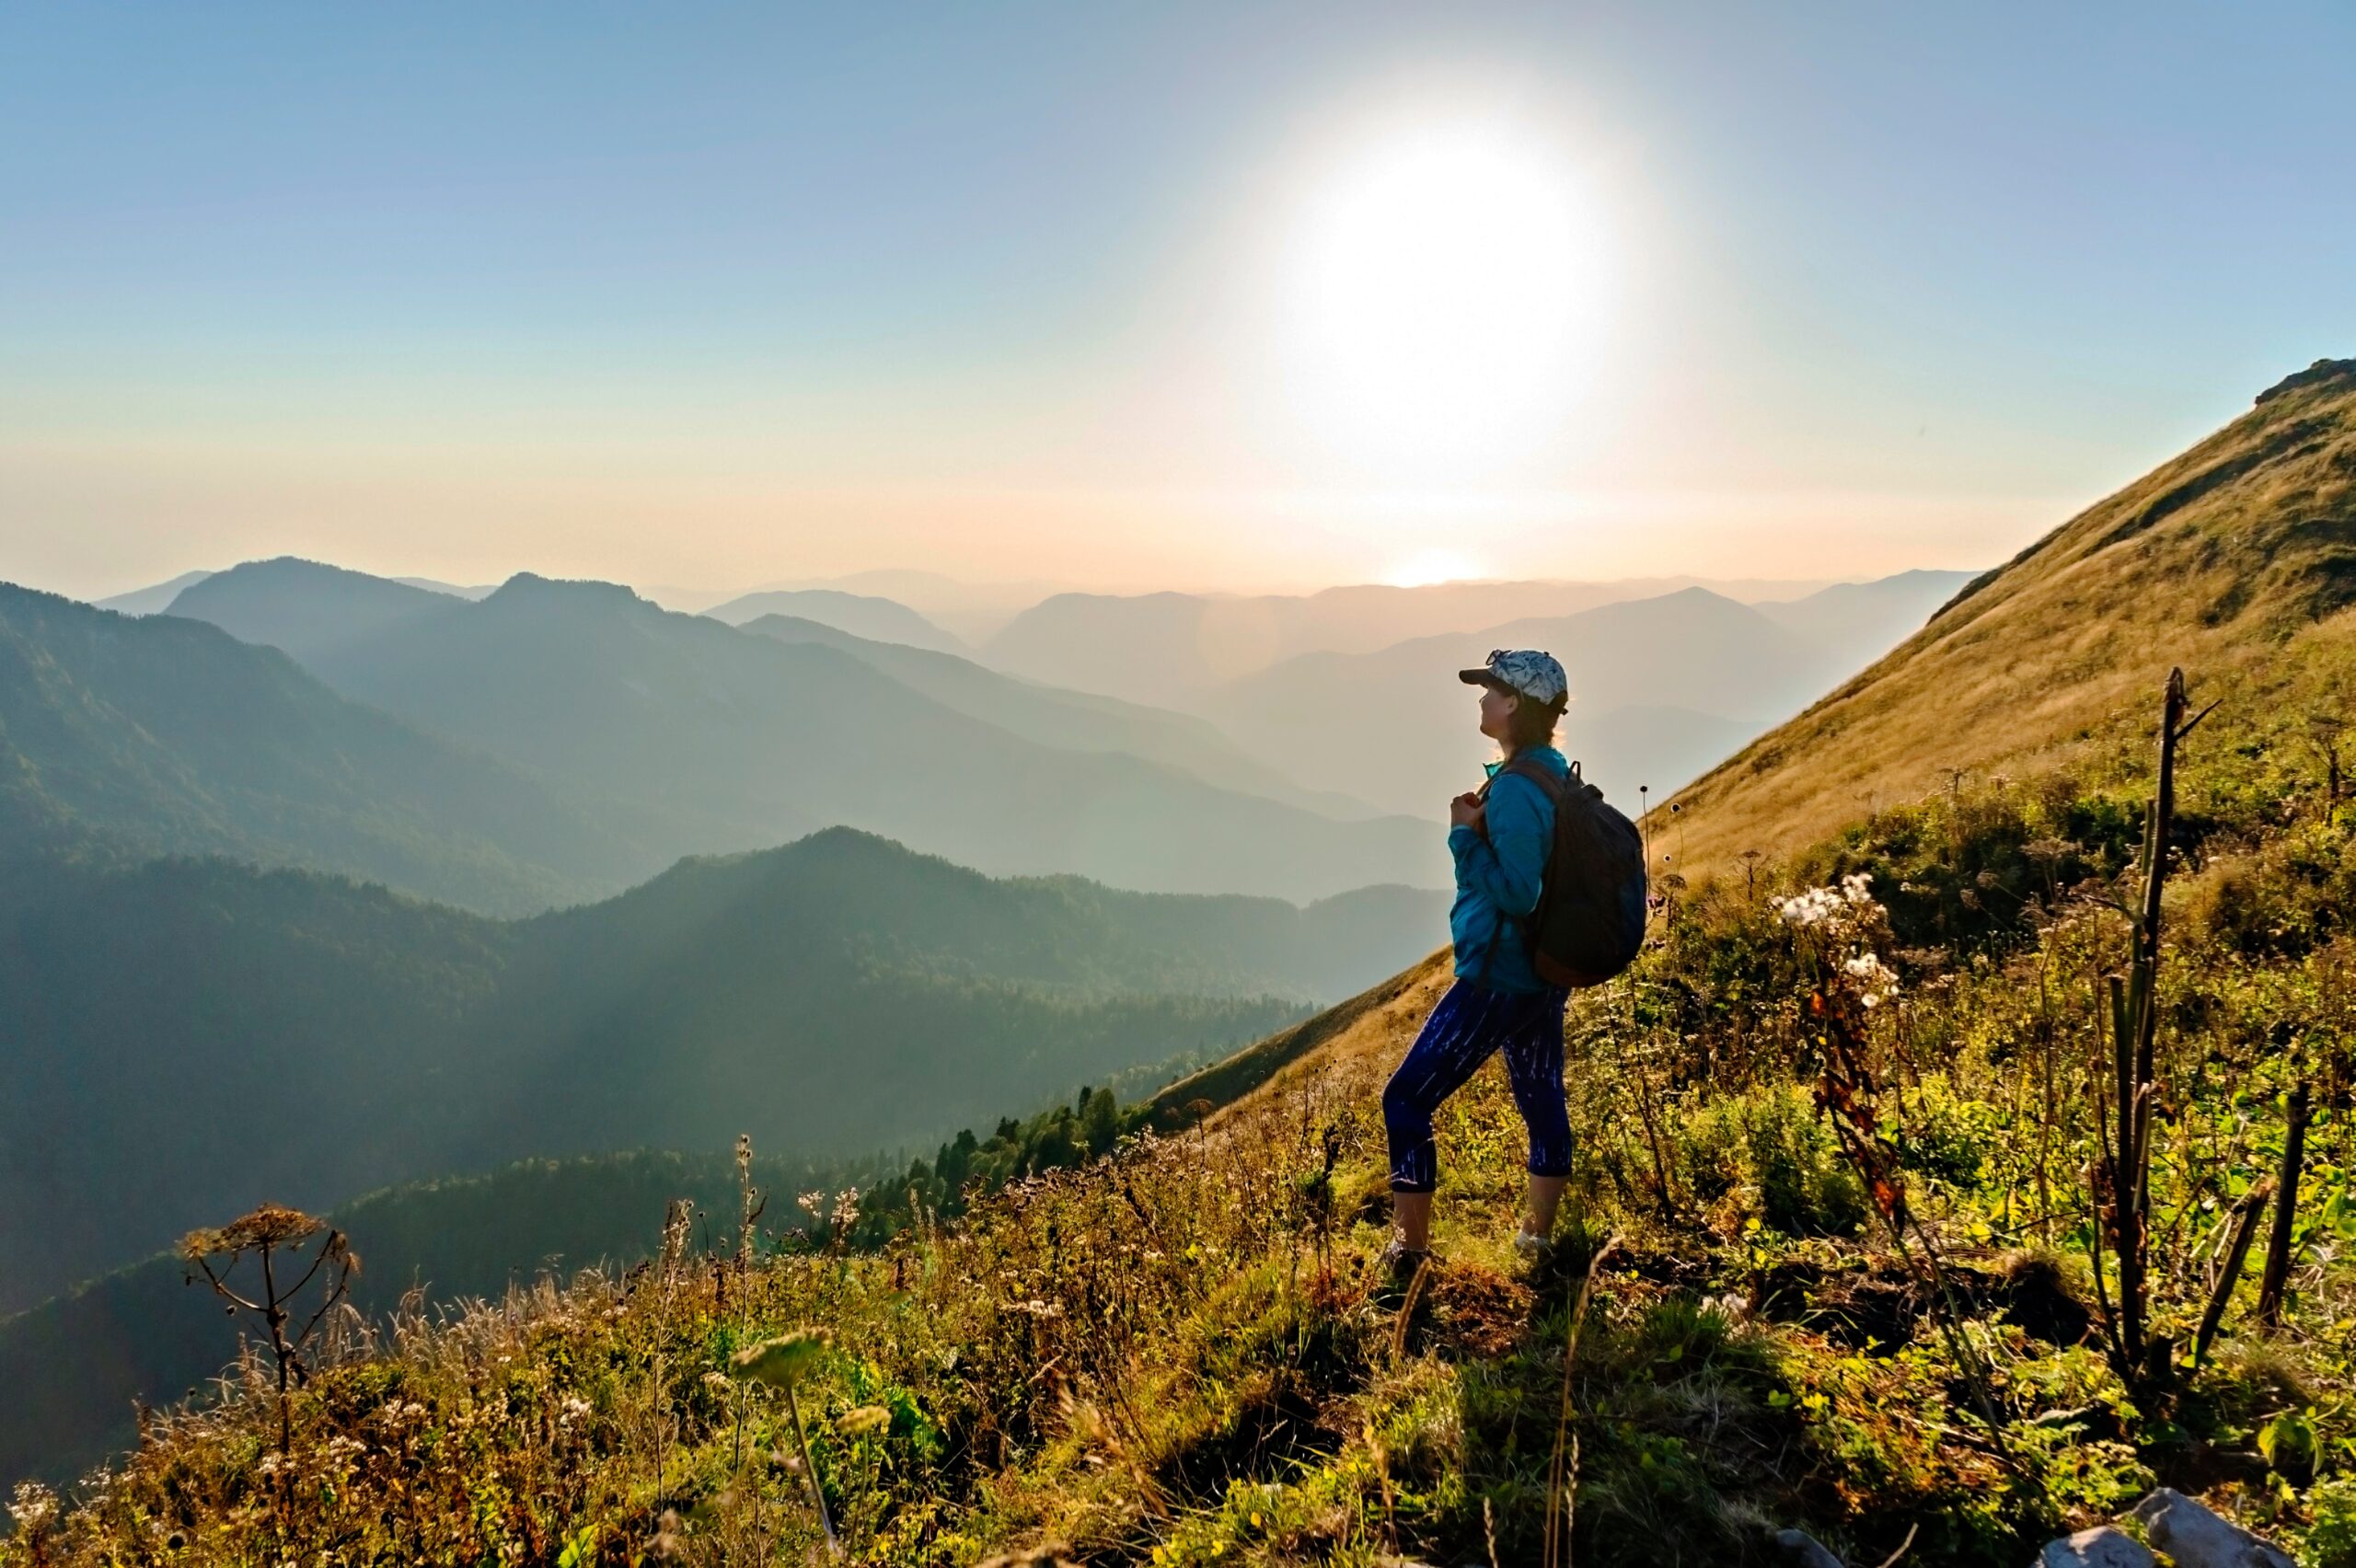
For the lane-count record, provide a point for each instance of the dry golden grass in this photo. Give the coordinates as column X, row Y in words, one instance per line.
column 2237, row 561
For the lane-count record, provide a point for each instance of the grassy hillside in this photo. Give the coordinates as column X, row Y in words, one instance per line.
column 77, row 1365
column 837, row 996
column 2233, row 560
column 122, row 738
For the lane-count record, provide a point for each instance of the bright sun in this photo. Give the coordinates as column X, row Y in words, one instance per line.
column 1446, row 285
column 1426, row 567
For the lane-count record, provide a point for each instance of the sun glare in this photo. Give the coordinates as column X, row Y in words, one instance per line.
column 1426, row 567
column 1446, row 283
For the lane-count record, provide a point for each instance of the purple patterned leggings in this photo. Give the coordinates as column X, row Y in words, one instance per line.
column 1469, row 1024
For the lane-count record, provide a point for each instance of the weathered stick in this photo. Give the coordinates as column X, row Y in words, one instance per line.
column 2286, row 1211
column 2135, row 1015
column 2244, row 1218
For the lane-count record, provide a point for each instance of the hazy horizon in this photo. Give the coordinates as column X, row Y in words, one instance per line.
column 1238, row 300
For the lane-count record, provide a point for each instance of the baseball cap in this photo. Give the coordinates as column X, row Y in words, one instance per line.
column 1525, row 671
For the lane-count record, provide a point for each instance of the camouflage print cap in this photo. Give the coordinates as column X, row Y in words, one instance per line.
column 1525, row 671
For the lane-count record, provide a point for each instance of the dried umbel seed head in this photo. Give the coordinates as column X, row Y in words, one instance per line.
column 865, row 1421
column 784, row 1361
column 271, row 1225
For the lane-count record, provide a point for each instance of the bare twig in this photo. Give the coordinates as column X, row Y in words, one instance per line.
column 2244, row 1221
column 1562, row 1473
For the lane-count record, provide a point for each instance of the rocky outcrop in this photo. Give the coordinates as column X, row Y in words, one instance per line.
column 2323, row 370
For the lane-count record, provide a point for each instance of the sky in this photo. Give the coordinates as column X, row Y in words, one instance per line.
column 1202, row 295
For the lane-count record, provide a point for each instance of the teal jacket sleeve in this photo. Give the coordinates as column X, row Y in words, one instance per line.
column 1509, row 864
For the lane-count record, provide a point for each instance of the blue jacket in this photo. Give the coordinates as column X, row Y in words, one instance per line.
column 1498, row 877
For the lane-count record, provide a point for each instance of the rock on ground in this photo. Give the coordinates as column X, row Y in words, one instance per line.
column 2102, row 1547
column 2193, row 1537
column 1802, row 1550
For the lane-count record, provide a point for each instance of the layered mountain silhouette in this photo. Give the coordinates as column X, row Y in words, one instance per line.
column 1071, row 720
column 1173, row 650
column 124, row 737
column 862, row 616
column 188, row 1038
column 153, row 599
column 693, row 737
column 2235, row 560
column 1661, row 688
column 310, row 610
column 1862, row 620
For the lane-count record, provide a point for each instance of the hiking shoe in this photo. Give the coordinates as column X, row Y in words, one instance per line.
column 1532, row 1248
column 1395, row 1270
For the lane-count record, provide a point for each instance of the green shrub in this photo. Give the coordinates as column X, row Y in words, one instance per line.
column 1769, row 1153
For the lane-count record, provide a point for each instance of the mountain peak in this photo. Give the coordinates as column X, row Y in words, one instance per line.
column 2315, row 374
column 530, row 587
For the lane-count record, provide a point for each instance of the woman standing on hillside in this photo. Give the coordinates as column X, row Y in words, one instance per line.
column 1501, row 837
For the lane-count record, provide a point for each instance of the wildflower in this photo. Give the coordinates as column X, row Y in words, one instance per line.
column 1877, row 982
column 34, row 1508
column 785, row 1360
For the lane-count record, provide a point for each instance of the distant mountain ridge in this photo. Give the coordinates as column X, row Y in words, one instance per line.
column 128, row 737
column 834, row 996
column 1661, row 688
column 693, row 737
column 1071, row 720
column 306, row 609
column 1171, row 649
column 861, row 615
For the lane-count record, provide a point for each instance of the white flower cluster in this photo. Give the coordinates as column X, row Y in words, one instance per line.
column 35, row 1509
column 1846, row 905
column 1847, row 914
column 1876, row 980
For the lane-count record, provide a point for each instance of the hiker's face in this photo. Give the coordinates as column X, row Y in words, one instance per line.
column 1496, row 708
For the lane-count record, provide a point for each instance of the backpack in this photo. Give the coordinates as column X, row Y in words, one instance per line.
column 1589, row 921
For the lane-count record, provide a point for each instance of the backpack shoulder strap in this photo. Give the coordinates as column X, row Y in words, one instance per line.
column 1539, row 775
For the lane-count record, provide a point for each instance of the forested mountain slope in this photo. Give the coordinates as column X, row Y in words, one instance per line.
column 122, row 737
column 186, row 1038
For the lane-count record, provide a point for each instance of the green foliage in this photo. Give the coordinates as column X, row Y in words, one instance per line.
column 1765, row 1155
column 2330, row 1538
